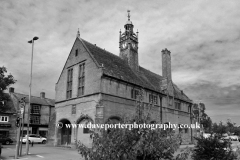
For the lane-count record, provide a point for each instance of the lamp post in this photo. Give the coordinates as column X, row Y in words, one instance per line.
column 30, row 87
column 23, row 104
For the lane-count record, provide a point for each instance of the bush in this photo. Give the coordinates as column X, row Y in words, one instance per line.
column 213, row 148
column 135, row 144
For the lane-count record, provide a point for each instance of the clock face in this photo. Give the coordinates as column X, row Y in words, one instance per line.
column 134, row 45
column 124, row 45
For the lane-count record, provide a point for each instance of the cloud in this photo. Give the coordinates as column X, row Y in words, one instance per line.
column 221, row 102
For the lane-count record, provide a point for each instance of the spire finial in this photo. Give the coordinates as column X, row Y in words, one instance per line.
column 78, row 33
column 128, row 15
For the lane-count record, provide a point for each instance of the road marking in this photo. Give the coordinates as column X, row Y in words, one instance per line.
column 39, row 156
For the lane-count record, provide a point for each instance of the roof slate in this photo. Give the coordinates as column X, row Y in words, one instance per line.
column 114, row 66
column 35, row 100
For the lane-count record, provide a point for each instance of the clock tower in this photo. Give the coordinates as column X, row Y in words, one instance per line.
column 128, row 44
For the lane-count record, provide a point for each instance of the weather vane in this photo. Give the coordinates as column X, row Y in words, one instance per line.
column 128, row 14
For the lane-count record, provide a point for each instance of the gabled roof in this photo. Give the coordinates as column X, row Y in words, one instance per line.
column 35, row 100
column 114, row 66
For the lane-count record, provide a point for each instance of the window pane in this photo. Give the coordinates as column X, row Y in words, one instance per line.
column 82, row 90
column 132, row 93
column 68, row 77
column 35, row 119
column 80, row 71
column 69, row 82
column 81, row 80
column 76, row 52
column 86, row 130
column 73, row 109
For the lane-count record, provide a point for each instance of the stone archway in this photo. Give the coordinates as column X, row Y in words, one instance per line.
column 83, row 134
column 114, row 120
column 65, row 132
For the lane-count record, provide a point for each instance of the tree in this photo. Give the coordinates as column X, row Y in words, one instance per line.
column 135, row 144
column 229, row 127
column 213, row 149
column 5, row 81
column 205, row 120
column 219, row 128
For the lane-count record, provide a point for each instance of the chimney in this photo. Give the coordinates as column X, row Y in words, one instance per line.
column 11, row 90
column 42, row 95
column 166, row 64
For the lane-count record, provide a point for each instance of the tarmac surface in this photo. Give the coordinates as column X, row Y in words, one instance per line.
column 46, row 152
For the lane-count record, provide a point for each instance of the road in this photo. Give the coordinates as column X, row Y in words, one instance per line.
column 45, row 152
column 41, row 152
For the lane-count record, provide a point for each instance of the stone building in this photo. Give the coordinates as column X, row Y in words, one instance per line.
column 97, row 85
column 41, row 112
column 7, row 119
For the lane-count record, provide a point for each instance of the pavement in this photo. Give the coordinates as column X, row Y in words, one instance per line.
column 41, row 152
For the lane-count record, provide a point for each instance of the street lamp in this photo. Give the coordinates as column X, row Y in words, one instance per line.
column 30, row 86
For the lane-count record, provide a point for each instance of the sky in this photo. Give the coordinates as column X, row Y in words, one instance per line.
column 203, row 37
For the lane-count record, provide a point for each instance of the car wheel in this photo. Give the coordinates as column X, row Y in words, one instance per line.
column 44, row 141
column 7, row 142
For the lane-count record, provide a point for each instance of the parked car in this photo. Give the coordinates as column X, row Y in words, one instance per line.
column 206, row 135
column 234, row 138
column 5, row 140
column 226, row 137
column 34, row 138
